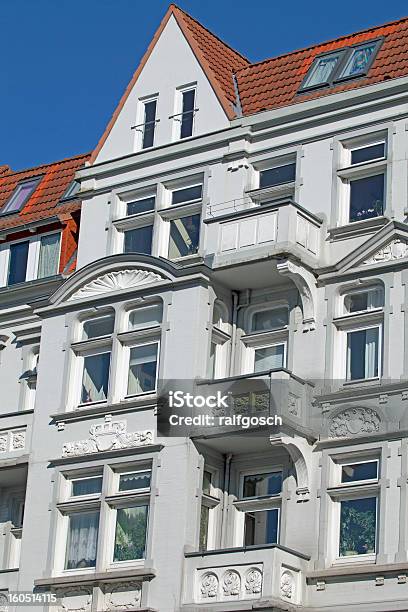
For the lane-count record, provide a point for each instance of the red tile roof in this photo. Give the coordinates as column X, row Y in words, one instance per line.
column 44, row 202
column 275, row 82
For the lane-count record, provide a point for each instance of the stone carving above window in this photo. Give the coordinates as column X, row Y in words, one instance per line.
column 396, row 249
column 110, row 435
column 353, row 422
column 116, row 281
column 287, row 585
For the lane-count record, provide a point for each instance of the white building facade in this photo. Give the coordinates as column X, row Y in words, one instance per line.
column 259, row 251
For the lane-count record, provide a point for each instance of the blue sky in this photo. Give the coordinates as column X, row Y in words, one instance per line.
column 66, row 62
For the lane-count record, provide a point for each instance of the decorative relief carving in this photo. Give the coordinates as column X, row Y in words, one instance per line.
column 3, row 602
column 287, row 585
column 396, row 249
column 124, row 596
column 293, row 404
column 111, row 435
column 116, row 281
column 231, row 583
column 11, row 441
column 253, row 581
column 354, row 421
column 75, row 600
column 209, row 585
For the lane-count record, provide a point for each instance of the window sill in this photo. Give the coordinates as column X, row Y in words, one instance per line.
column 362, row 382
column 77, row 577
column 355, row 560
column 357, row 228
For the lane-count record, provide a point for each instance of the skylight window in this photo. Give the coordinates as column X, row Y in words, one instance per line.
column 20, row 196
column 346, row 63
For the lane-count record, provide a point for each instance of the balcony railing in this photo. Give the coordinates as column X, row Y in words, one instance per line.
column 266, row 573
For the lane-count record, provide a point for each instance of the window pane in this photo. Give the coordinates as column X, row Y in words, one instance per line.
column 95, row 378
column 142, row 369
column 139, row 240
column 146, row 317
column 187, row 113
column 204, row 519
column 277, row 176
column 149, row 124
column 49, row 255
column 132, row 482
column 187, row 194
column 364, row 300
column 367, row 197
column 18, row 263
column 369, row 153
column 212, row 360
column 207, row 478
column 362, row 354
column 130, row 536
column 357, row 526
column 322, row 70
column 86, row 486
column 184, row 236
column 261, row 527
column 82, row 540
column 269, row 358
column 20, row 196
column 258, row 485
column 359, row 471
column 95, row 328
column 270, row 319
column 358, row 60
column 141, row 206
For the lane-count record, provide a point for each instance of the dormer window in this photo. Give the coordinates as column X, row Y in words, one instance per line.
column 336, row 66
column 20, row 196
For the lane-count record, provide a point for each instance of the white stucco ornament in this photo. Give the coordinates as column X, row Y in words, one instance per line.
column 209, row 585
column 124, row 596
column 396, row 249
column 231, row 583
column 354, row 421
column 116, row 281
column 75, row 600
column 287, row 585
column 253, row 581
column 111, row 435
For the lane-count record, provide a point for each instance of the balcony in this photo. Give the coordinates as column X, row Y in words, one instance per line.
column 243, row 231
column 243, row 578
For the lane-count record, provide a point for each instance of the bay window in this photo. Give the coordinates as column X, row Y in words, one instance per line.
column 134, row 229
column 266, row 342
column 30, row 259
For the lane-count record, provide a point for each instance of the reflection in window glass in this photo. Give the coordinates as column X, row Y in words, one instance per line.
column 184, row 236
column 130, row 534
column 367, row 197
column 20, row 196
column 369, row 153
column 82, row 540
column 138, row 240
column 149, row 124
column 18, row 263
column 364, row 300
column 359, row 60
column 204, row 520
column 95, row 378
column 134, row 481
column 265, row 320
column 277, row 176
column 359, row 471
column 146, row 317
column 86, row 486
column 100, row 326
column 207, row 479
column 357, row 526
column 261, row 527
column 141, row 206
column 269, row 358
column 322, row 70
column 257, row 485
column 142, row 369
column 362, row 354
column 188, row 194
column 187, row 116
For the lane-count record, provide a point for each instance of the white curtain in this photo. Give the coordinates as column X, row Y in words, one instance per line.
column 49, row 255
column 142, row 369
column 371, row 353
column 82, row 540
column 269, row 358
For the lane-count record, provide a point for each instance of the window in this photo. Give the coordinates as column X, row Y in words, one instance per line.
column 142, row 369
column 210, row 501
column 18, row 263
column 266, row 343
column 359, row 59
column 141, row 206
column 346, row 63
column 146, row 317
column 116, row 523
column 20, row 196
column 184, row 236
column 266, row 320
column 220, row 342
column 270, row 357
column 260, row 503
column 187, row 194
column 95, row 378
column 49, row 255
column 366, row 197
column 355, row 501
column 149, row 123
column 187, row 113
column 361, row 301
column 98, row 327
column 363, row 353
column 279, row 175
column 139, row 240
column 367, row 153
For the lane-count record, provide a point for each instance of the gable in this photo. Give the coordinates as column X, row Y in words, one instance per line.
column 171, row 64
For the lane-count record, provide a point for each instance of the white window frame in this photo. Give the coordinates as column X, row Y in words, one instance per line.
column 212, row 501
column 178, row 109
column 363, row 327
column 135, row 344
column 370, row 308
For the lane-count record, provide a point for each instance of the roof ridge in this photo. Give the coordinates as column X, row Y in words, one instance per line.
column 58, row 161
column 175, row 6
column 325, row 42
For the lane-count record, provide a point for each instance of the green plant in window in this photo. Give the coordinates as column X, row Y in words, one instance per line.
column 357, row 527
column 130, row 534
